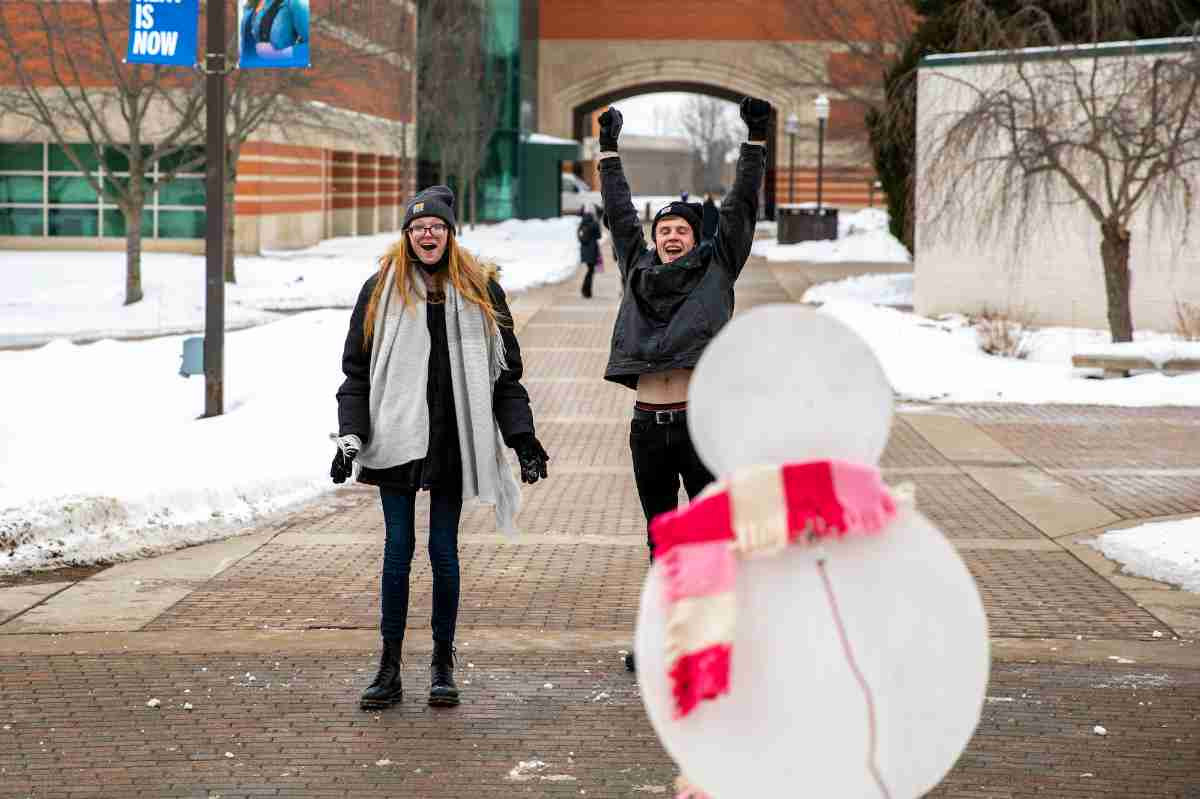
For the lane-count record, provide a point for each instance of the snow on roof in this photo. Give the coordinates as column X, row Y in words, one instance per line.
column 543, row 138
column 1097, row 49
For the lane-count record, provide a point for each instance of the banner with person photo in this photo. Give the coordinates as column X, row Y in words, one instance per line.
column 273, row 34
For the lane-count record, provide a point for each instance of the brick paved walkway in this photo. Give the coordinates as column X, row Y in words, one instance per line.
column 271, row 637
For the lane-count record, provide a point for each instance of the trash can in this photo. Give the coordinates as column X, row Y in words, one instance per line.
column 798, row 223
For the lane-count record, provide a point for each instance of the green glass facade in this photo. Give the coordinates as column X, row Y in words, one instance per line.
column 43, row 192
column 519, row 178
column 499, row 188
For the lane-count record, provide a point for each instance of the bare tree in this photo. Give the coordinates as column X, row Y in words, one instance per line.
column 846, row 48
column 470, row 114
column 708, row 124
column 71, row 83
column 461, row 91
column 1114, row 134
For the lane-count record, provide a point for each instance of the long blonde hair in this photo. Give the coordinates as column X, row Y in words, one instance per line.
column 466, row 273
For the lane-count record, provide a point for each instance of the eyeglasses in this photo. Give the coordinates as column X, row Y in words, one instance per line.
column 436, row 230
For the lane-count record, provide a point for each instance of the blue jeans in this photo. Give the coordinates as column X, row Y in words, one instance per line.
column 399, row 509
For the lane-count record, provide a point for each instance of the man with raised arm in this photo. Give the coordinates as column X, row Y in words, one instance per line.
column 678, row 293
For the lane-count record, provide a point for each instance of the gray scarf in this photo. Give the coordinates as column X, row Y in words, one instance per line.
column 399, row 408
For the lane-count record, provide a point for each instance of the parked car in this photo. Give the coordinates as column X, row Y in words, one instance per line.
column 576, row 194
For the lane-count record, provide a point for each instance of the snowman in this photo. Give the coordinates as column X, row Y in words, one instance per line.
column 804, row 631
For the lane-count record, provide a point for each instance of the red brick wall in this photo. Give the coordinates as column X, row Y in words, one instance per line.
column 777, row 20
column 300, row 179
column 339, row 76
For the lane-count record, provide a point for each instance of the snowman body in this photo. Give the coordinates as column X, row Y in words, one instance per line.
column 859, row 663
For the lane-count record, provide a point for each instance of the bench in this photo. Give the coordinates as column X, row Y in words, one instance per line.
column 1122, row 365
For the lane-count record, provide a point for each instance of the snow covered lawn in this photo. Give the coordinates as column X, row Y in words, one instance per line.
column 928, row 359
column 80, row 294
column 862, row 237
column 102, row 455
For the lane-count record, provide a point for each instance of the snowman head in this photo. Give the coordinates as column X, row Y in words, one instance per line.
column 784, row 383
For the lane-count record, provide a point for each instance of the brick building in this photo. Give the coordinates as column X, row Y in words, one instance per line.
column 589, row 54
column 339, row 165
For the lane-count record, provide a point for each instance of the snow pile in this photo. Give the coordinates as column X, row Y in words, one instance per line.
column 104, row 458
column 1165, row 551
column 873, row 289
column 927, row 359
column 862, row 237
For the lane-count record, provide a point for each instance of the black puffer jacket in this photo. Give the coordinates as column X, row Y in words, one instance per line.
column 510, row 400
column 669, row 312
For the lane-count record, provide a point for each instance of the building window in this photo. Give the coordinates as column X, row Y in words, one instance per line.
column 44, row 193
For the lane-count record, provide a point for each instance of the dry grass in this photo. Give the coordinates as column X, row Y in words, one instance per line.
column 1187, row 320
column 1004, row 333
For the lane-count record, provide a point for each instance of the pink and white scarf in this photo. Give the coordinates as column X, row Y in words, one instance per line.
column 757, row 512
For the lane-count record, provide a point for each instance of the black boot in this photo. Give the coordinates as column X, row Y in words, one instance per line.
column 442, row 690
column 629, row 664
column 385, row 689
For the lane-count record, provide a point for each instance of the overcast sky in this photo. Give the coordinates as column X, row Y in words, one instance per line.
column 653, row 114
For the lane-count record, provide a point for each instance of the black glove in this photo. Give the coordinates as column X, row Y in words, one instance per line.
column 532, row 458
column 610, row 128
column 343, row 460
column 756, row 114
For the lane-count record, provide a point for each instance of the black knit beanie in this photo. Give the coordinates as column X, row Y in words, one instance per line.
column 435, row 201
column 691, row 213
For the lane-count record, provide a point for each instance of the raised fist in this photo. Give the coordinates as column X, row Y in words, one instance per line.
column 756, row 114
column 610, row 128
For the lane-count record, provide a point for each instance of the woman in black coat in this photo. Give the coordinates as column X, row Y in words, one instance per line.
column 589, row 248
column 423, row 410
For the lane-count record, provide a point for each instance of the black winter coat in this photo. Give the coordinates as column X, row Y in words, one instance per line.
column 589, row 238
column 442, row 466
column 669, row 312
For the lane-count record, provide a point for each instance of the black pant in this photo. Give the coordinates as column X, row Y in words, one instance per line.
column 587, row 280
column 662, row 455
column 399, row 511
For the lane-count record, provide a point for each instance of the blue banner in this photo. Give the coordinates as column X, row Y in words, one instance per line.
column 272, row 34
column 163, row 32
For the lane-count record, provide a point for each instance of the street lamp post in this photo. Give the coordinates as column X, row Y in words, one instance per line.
column 792, row 126
column 822, row 106
column 214, row 225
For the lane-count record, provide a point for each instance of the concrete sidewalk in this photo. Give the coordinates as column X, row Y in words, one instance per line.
column 257, row 647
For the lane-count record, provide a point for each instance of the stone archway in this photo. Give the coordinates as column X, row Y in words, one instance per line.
column 580, row 76
column 582, row 111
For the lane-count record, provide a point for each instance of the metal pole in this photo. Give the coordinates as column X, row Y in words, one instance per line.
column 820, row 159
column 214, row 239
column 791, row 168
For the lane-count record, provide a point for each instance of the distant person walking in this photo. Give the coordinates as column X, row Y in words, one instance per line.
column 589, row 248
column 709, row 217
column 431, row 398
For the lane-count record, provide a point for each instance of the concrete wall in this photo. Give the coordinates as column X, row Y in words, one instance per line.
column 1050, row 268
